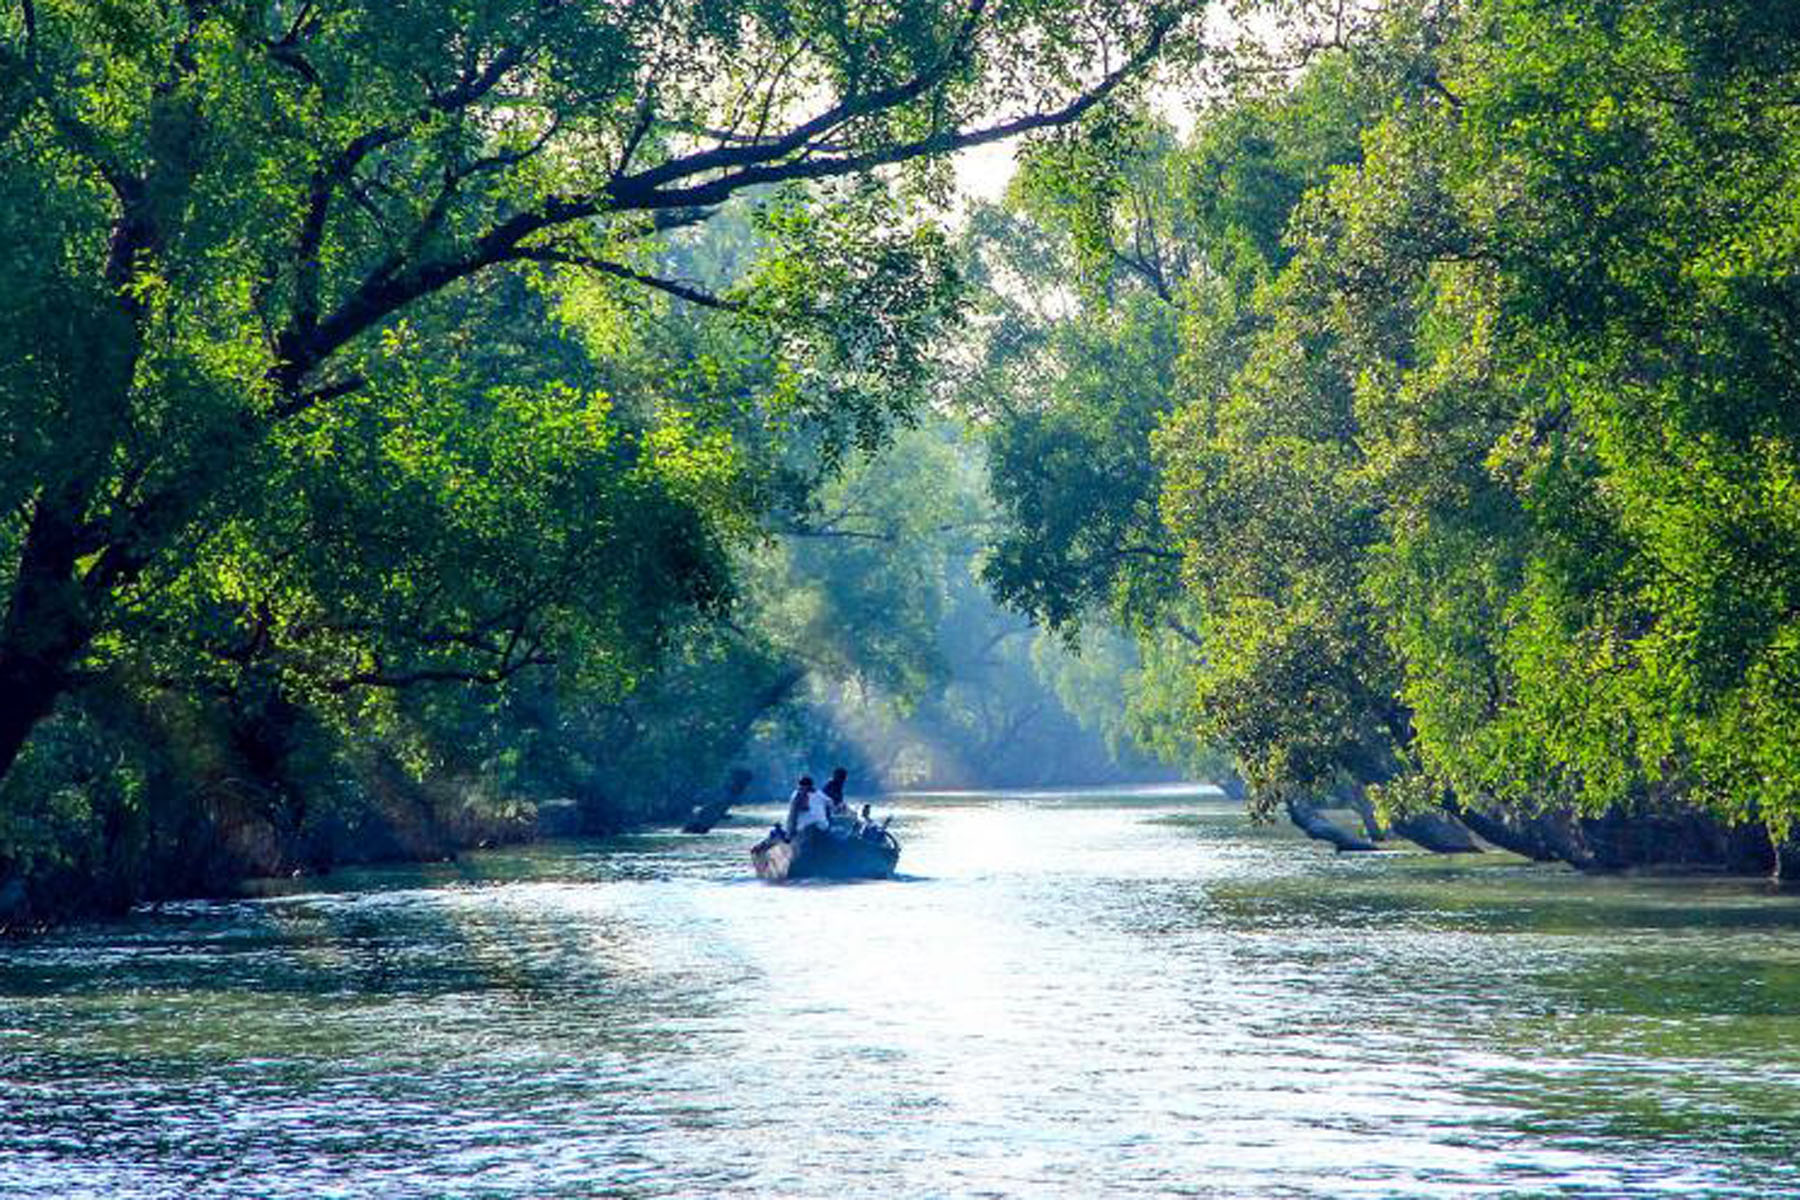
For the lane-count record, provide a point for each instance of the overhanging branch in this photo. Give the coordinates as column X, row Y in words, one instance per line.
column 760, row 165
column 692, row 293
column 787, row 158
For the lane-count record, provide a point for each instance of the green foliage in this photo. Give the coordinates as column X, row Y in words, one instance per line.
column 1500, row 488
column 1173, row 243
column 851, row 299
column 1615, row 172
column 285, row 422
column 913, row 676
column 1478, row 448
column 1072, row 478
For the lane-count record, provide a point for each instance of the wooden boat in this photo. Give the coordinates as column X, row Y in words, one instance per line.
column 816, row 854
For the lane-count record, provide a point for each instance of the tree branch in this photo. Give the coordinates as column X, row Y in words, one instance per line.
column 851, row 106
column 320, row 395
column 472, row 87
column 325, row 183
column 647, row 191
column 31, row 39
column 689, row 292
column 383, row 678
column 1180, row 629
column 1148, row 271
column 286, row 49
column 389, row 288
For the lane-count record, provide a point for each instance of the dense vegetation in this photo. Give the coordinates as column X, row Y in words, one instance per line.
column 1442, row 396
column 414, row 413
column 388, row 427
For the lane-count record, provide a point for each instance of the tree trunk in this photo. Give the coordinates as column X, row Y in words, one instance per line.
column 1315, row 825
column 46, row 626
column 1358, row 802
column 30, row 685
column 1562, row 836
column 1674, row 836
column 1438, row 833
column 1786, row 874
column 705, row 816
column 1503, row 834
column 1433, row 831
column 1548, row 837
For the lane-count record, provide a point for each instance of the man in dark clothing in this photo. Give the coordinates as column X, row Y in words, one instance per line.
column 834, row 793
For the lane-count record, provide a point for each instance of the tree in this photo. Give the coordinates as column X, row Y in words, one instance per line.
column 1172, row 244
column 219, row 214
column 913, row 674
column 1588, row 434
column 1512, row 451
column 1067, row 396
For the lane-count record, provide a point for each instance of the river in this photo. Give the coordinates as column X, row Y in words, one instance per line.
column 1133, row 993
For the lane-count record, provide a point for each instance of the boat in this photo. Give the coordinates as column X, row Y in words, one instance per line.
column 868, row 853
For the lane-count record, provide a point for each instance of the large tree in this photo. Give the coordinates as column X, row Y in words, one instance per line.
column 1587, row 434
column 1499, row 507
column 217, row 217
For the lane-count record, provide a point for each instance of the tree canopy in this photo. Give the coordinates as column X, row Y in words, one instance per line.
column 239, row 233
column 1476, row 449
column 555, row 396
column 367, row 377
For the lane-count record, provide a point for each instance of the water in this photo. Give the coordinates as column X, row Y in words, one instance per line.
column 1136, row 994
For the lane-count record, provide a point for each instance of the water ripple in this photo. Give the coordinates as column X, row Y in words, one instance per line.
column 1068, row 995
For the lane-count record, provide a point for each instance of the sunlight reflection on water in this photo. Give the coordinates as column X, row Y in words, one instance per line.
column 1067, row 995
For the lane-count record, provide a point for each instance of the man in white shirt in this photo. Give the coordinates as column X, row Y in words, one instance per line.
column 806, row 808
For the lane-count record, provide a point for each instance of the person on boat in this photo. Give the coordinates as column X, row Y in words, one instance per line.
column 835, row 808
column 869, row 831
column 776, row 835
column 806, row 809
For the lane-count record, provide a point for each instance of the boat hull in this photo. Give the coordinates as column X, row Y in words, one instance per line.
column 819, row 855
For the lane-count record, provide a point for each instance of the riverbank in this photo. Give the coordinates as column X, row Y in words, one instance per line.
column 212, row 845
column 1670, row 839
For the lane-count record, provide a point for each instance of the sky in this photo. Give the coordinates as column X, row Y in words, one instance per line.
column 982, row 173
